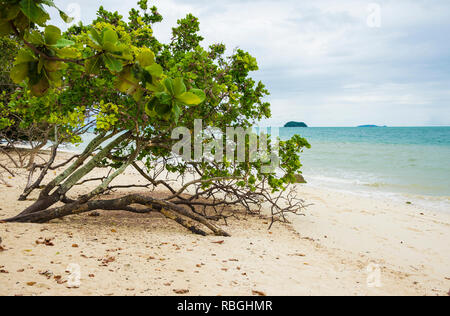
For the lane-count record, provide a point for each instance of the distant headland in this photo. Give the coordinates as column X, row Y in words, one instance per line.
column 295, row 124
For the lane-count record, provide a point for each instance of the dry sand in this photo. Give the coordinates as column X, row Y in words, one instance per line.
column 326, row 252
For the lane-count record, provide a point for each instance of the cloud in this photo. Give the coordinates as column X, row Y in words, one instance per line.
column 322, row 62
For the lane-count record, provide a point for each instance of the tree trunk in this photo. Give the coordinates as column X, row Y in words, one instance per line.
column 32, row 186
column 73, row 174
column 168, row 209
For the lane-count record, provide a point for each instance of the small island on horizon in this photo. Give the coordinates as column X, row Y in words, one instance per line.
column 371, row 126
column 295, row 124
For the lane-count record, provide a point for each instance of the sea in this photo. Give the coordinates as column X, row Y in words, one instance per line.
column 404, row 163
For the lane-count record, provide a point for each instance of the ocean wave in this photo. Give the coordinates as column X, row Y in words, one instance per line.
column 384, row 190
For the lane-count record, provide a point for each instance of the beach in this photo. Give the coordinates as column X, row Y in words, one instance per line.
column 345, row 244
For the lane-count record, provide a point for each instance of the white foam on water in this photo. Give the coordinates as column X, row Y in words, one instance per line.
column 372, row 190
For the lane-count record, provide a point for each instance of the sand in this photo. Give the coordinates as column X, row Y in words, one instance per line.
column 344, row 245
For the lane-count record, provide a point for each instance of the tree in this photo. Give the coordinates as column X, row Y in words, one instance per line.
column 137, row 91
column 29, row 123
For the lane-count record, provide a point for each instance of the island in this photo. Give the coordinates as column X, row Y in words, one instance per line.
column 295, row 124
column 371, row 126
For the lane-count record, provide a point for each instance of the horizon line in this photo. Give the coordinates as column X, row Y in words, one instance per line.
column 359, row 126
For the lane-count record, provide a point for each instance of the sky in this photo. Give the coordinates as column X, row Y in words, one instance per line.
column 327, row 62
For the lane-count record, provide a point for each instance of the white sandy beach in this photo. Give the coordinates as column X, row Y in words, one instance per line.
column 325, row 252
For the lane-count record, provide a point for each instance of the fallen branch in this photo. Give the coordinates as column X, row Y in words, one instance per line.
column 7, row 170
column 166, row 208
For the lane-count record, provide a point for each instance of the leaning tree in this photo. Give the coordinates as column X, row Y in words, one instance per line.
column 136, row 91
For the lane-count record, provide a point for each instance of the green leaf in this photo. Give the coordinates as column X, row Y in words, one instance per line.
column 111, row 48
column 55, row 77
column 19, row 73
column 121, row 51
column 150, row 107
column 52, row 34
column 178, row 86
column 65, row 17
column 95, row 37
column 40, row 65
column 92, row 65
column 126, row 82
column 176, row 110
column 149, row 111
column 24, row 56
column 22, row 22
column 155, row 70
column 200, row 93
column 34, row 12
column 35, row 38
column 51, row 65
column 156, row 86
column 189, row 98
column 10, row 12
column 146, row 58
column 40, row 88
column 62, row 43
column 168, row 83
column 109, row 36
column 67, row 52
column 163, row 109
column 5, row 28
column 164, row 97
column 126, row 52
column 137, row 95
column 112, row 63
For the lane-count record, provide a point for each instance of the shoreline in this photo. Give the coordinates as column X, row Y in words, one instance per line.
column 438, row 203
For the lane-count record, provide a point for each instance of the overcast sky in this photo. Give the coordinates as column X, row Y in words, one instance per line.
column 328, row 62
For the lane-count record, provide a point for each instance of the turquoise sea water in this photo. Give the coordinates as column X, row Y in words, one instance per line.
column 408, row 160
